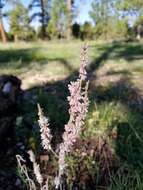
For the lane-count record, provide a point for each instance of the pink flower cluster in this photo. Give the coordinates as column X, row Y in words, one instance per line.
column 84, row 62
column 46, row 136
column 78, row 101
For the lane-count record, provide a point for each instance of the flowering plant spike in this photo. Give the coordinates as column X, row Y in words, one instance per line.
column 78, row 101
column 46, row 136
column 36, row 167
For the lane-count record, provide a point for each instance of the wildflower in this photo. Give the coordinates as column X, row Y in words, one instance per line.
column 31, row 156
column 46, row 136
column 36, row 167
column 78, row 101
column 37, row 173
column 84, row 61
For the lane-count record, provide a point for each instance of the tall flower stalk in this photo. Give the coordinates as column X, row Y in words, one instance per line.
column 45, row 131
column 36, row 168
column 46, row 136
column 78, row 101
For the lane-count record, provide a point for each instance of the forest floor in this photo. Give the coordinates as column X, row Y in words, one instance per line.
column 116, row 104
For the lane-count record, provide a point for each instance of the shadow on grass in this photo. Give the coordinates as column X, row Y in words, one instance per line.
column 25, row 55
column 129, row 133
column 130, row 52
column 117, row 50
column 128, row 142
column 106, row 51
column 55, row 93
column 52, row 97
column 23, row 58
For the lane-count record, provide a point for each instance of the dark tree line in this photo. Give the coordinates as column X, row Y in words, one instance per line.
column 56, row 17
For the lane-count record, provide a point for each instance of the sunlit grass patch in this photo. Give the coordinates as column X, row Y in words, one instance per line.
column 112, row 134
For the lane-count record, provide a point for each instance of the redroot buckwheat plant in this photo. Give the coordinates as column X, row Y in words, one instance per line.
column 78, row 102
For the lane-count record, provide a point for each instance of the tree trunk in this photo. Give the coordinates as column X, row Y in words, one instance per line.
column 15, row 38
column 43, row 19
column 139, row 31
column 69, row 19
column 2, row 32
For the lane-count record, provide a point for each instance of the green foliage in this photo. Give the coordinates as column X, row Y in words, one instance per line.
column 139, row 21
column 107, row 19
column 52, row 30
column 106, row 115
column 10, row 36
column 110, row 18
column 134, row 6
column 19, row 22
column 90, row 158
column 119, row 28
column 57, row 24
column 100, row 10
column 100, row 13
column 120, row 132
column 87, row 31
column 126, row 177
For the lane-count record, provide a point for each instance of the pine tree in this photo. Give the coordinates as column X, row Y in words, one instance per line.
column 57, row 23
column 62, row 13
column 19, row 22
column 132, row 7
column 100, row 14
column 43, row 13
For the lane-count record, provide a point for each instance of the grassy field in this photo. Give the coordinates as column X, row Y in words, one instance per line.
column 61, row 59
column 114, row 126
